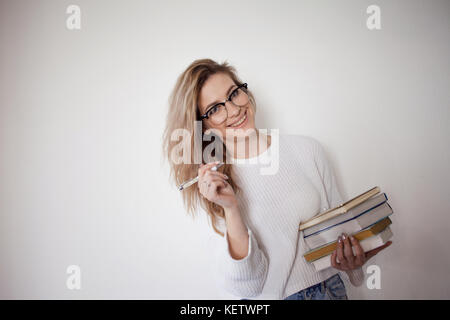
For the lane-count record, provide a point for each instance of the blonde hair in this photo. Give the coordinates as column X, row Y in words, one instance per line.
column 182, row 114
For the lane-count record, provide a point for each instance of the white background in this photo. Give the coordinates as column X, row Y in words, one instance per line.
column 82, row 112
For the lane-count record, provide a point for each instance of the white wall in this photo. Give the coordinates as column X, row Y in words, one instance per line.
column 82, row 112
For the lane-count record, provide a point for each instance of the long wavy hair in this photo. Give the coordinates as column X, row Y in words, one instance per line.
column 182, row 114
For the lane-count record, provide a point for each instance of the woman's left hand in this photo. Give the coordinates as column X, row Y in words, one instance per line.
column 347, row 260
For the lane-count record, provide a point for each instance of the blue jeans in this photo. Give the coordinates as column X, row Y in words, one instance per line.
column 331, row 289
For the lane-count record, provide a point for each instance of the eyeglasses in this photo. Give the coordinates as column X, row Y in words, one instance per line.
column 218, row 113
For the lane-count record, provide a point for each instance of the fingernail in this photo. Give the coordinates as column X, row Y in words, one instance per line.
column 343, row 236
column 352, row 238
column 339, row 239
column 226, row 177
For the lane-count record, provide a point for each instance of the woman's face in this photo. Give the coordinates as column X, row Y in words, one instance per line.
column 216, row 89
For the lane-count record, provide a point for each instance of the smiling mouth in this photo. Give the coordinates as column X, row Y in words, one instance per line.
column 239, row 122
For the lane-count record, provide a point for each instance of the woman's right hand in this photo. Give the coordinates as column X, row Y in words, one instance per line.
column 213, row 185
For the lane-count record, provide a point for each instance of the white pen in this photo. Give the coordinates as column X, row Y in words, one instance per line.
column 189, row 183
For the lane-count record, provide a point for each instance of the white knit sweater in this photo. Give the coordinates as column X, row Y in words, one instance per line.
column 272, row 207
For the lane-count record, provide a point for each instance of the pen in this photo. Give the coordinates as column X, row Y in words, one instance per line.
column 190, row 182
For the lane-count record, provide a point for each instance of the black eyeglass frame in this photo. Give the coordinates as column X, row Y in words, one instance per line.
column 206, row 116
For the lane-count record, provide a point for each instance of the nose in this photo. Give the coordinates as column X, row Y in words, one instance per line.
column 232, row 109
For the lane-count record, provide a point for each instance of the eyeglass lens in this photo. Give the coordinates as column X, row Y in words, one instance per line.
column 218, row 114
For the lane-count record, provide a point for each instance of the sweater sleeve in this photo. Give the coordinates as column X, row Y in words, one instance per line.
column 356, row 276
column 244, row 277
column 327, row 175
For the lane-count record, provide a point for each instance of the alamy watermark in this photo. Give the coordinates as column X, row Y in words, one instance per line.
column 73, row 281
column 73, row 21
column 374, row 280
column 373, row 22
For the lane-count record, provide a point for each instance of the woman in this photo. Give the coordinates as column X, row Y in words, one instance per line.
column 260, row 251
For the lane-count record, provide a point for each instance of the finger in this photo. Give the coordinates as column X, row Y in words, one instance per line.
column 202, row 169
column 218, row 180
column 334, row 262
column 215, row 174
column 371, row 253
column 205, row 185
column 376, row 250
column 215, row 184
column 340, row 253
column 202, row 185
column 208, row 177
column 205, row 189
column 348, row 252
column 209, row 165
column 360, row 257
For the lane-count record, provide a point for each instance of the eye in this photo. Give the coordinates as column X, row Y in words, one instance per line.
column 213, row 110
column 234, row 93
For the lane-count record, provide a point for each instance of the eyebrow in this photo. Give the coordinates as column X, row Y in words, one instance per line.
column 215, row 102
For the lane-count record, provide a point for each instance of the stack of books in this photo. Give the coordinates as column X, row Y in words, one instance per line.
column 365, row 217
